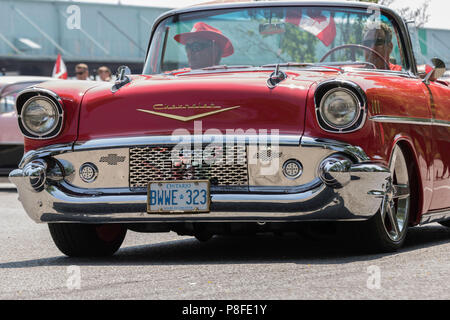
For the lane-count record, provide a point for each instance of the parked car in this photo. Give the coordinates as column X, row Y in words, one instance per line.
column 11, row 139
column 247, row 117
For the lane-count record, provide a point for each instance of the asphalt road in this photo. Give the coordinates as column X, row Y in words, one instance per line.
column 167, row 266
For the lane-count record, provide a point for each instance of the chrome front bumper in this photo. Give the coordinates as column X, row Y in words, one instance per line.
column 344, row 189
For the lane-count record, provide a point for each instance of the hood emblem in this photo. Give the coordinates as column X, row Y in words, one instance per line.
column 187, row 118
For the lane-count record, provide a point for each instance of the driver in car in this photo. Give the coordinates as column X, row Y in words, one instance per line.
column 205, row 45
column 380, row 40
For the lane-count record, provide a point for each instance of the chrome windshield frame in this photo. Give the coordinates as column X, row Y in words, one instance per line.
column 404, row 36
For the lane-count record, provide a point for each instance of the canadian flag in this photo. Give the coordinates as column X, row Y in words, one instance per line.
column 59, row 70
column 320, row 24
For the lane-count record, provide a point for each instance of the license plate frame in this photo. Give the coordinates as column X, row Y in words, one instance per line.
column 192, row 210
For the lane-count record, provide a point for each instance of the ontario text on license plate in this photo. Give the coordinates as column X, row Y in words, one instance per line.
column 178, row 196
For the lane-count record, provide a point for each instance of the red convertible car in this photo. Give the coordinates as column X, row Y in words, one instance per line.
column 247, row 117
column 11, row 139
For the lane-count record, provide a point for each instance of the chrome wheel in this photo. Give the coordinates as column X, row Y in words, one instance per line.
column 396, row 201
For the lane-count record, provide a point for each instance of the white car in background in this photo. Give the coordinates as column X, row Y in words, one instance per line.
column 11, row 139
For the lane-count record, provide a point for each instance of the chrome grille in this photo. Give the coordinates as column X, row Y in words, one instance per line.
column 155, row 163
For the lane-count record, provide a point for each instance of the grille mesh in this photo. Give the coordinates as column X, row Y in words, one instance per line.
column 155, row 163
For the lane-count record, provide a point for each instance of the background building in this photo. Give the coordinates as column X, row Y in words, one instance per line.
column 32, row 33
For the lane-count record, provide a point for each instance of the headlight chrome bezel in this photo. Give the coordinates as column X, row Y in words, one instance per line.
column 325, row 89
column 29, row 95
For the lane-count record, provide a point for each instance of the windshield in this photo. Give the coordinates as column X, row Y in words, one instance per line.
column 269, row 35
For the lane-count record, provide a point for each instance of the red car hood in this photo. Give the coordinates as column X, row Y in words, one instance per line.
column 159, row 105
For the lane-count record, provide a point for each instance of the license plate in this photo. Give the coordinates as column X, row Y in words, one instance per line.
column 178, row 196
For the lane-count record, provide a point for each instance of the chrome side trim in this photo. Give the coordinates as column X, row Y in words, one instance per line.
column 356, row 152
column 441, row 215
column 410, row 120
column 45, row 152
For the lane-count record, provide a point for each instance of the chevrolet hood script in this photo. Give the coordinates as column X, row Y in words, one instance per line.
column 185, row 107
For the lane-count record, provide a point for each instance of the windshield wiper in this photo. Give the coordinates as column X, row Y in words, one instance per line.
column 199, row 70
column 304, row 65
column 289, row 64
column 224, row 66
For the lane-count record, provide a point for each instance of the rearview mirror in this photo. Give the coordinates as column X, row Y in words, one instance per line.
column 272, row 28
column 437, row 72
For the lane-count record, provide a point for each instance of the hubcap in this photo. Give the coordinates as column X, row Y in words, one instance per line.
column 395, row 206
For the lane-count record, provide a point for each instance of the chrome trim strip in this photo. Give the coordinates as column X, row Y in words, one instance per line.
column 45, row 152
column 356, row 152
column 108, row 143
column 410, row 120
column 441, row 215
column 289, row 140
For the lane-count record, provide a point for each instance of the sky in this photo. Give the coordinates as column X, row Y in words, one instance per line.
column 438, row 9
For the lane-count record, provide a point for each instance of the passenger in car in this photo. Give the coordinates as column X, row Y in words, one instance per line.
column 379, row 40
column 205, row 45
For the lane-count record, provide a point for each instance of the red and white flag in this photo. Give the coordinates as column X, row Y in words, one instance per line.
column 321, row 25
column 59, row 70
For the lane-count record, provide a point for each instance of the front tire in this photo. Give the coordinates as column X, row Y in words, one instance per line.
column 387, row 229
column 87, row 240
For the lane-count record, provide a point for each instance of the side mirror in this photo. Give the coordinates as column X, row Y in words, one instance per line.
column 437, row 72
column 123, row 78
column 121, row 72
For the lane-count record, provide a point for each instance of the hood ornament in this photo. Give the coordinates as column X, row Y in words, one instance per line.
column 276, row 77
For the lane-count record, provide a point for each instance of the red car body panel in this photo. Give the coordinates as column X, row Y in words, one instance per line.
column 259, row 108
column 71, row 94
column 441, row 146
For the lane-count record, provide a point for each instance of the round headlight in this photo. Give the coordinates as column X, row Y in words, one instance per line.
column 340, row 108
column 40, row 115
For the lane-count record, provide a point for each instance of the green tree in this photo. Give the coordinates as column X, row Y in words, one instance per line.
column 420, row 15
column 298, row 44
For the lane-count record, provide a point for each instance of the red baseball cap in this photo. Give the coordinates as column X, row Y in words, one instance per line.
column 202, row 31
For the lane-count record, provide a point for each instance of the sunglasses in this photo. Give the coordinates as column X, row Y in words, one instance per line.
column 374, row 42
column 79, row 73
column 198, row 46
